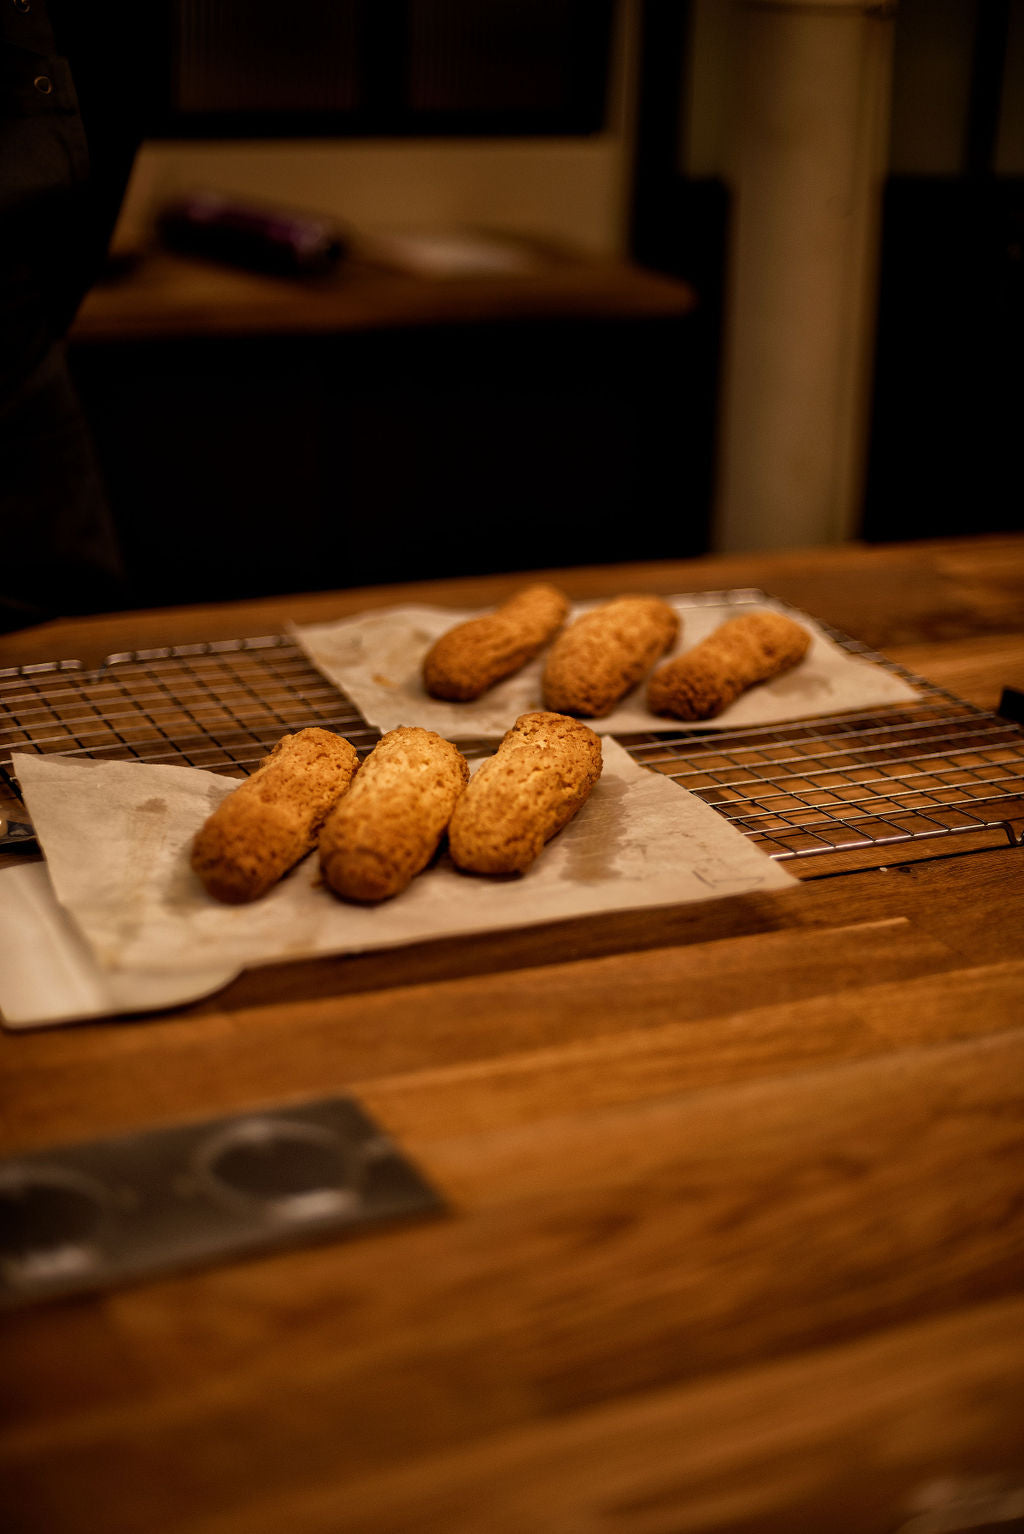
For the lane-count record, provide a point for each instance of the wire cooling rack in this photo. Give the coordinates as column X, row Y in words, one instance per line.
column 854, row 784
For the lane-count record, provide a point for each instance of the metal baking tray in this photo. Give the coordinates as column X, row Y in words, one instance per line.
column 115, row 1210
column 832, row 793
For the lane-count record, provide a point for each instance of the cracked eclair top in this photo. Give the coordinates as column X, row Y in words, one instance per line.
column 600, row 657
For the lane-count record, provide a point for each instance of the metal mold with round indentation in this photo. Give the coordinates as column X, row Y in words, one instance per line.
column 289, row 1170
column 51, row 1220
column 108, row 1211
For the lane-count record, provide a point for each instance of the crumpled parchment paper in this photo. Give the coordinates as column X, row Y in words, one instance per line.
column 117, row 835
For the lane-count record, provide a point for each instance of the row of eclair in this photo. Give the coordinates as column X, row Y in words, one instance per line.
column 380, row 823
column 598, row 659
column 377, row 825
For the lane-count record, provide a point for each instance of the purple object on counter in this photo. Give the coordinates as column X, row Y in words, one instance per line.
column 285, row 243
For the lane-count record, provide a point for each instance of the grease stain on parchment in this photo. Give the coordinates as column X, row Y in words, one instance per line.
column 593, row 854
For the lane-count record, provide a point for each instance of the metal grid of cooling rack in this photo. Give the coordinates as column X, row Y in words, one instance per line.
column 220, row 705
column 932, row 771
column 936, row 769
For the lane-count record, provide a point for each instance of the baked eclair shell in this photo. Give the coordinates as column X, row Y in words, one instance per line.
column 540, row 776
column 271, row 820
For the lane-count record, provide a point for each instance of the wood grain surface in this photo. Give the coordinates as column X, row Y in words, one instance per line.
column 734, row 1237
column 174, row 295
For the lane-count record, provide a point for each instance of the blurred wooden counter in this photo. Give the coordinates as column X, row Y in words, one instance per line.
column 174, row 296
column 399, row 426
column 736, row 1230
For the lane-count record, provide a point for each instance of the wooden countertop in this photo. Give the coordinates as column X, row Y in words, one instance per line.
column 736, row 1236
column 170, row 296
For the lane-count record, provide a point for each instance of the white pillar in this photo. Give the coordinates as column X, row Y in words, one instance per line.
column 808, row 162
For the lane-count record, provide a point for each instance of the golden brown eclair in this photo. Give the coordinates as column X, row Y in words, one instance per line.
column 270, row 821
column 742, row 652
column 477, row 654
column 388, row 827
column 600, row 657
column 522, row 796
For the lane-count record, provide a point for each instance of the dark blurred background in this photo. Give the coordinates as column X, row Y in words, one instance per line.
column 256, row 462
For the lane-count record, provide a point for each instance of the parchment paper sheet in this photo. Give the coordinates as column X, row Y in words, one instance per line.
column 116, row 837
column 50, row 976
column 375, row 659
